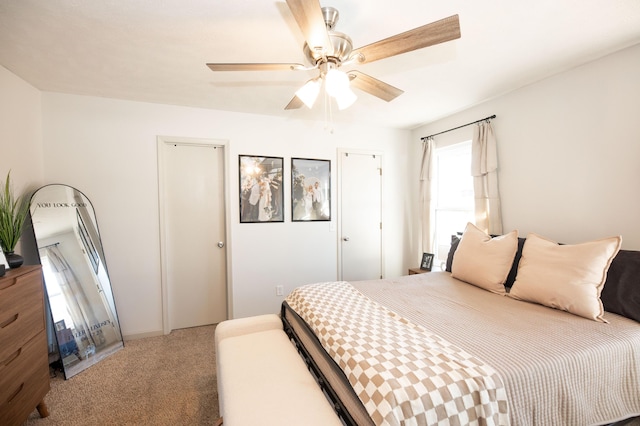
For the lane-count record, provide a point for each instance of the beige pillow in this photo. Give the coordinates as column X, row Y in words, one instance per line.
column 566, row 277
column 484, row 261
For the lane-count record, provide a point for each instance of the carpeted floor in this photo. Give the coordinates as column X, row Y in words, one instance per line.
column 164, row 380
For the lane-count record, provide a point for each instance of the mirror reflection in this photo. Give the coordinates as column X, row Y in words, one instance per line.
column 76, row 279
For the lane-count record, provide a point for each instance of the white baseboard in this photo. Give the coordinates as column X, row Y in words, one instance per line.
column 142, row 335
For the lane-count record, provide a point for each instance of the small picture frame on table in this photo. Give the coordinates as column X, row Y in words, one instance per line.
column 427, row 261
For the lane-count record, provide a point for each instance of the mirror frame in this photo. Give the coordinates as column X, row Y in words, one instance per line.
column 79, row 295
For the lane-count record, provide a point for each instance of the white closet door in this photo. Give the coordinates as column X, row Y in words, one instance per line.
column 360, row 216
column 193, row 229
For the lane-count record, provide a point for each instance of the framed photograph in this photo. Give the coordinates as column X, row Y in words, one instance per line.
column 310, row 190
column 427, row 261
column 261, row 198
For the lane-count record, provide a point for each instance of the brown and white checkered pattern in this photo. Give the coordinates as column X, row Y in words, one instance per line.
column 402, row 373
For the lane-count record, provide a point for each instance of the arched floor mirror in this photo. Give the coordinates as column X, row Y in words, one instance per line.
column 75, row 272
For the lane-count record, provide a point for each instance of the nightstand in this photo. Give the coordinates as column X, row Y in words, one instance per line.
column 414, row 271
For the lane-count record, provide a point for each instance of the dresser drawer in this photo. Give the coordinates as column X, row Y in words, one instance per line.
column 24, row 380
column 21, row 310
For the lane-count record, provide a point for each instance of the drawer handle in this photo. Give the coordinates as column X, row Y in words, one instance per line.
column 13, row 282
column 12, row 357
column 9, row 321
column 13, row 395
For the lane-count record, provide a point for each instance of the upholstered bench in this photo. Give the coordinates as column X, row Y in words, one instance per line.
column 262, row 380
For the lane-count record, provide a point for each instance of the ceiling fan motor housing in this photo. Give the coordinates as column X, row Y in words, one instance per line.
column 341, row 44
column 341, row 48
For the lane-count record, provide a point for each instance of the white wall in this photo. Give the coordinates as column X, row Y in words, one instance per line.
column 20, row 132
column 569, row 151
column 107, row 149
column 21, row 143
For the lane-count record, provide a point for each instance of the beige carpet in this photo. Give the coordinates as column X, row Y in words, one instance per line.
column 164, row 380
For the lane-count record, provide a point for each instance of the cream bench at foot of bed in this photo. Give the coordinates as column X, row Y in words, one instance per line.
column 262, row 380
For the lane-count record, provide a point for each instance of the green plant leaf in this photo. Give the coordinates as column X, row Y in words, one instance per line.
column 13, row 213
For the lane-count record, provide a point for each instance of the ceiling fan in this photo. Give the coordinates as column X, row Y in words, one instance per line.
column 327, row 50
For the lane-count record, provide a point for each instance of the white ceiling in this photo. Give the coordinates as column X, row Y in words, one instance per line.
column 156, row 50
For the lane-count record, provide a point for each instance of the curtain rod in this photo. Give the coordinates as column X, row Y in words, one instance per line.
column 459, row 127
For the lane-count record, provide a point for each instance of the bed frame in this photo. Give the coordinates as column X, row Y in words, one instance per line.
column 299, row 335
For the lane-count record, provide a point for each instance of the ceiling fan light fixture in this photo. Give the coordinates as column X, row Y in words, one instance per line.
column 345, row 99
column 336, row 82
column 309, row 92
column 337, row 86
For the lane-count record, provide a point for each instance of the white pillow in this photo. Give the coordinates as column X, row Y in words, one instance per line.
column 484, row 261
column 566, row 277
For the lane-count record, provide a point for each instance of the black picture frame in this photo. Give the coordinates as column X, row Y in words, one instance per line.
column 427, row 261
column 260, row 188
column 310, row 190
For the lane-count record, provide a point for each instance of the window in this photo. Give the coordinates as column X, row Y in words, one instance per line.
column 452, row 197
column 57, row 300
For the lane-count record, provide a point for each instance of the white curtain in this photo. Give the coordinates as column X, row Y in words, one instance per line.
column 484, row 166
column 425, row 195
column 76, row 300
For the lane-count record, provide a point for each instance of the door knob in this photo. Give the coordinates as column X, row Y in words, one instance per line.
column 220, row 244
column 345, row 239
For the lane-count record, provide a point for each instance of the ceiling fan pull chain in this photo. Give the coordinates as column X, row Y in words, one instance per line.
column 328, row 113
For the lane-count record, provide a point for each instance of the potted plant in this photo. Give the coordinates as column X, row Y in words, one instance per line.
column 13, row 213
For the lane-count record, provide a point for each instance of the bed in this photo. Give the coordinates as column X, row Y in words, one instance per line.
column 523, row 363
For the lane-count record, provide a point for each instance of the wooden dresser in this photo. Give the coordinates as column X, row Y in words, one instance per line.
column 24, row 362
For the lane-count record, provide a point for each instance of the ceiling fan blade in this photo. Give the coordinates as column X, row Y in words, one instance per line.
column 427, row 35
column 309, row 17
column 294, row 103
column 373, row 86
column 255, row 67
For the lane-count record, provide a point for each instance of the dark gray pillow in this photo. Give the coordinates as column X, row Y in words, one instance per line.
column 455, row 240
column 511, row 278
column 621, row 291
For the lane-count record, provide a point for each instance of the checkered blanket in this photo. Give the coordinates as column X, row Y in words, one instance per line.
column 402, row 373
